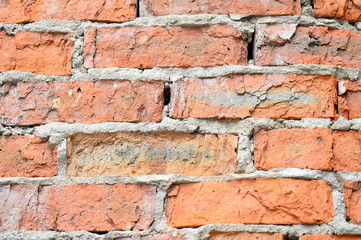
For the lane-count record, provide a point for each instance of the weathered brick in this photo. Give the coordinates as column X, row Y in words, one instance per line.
column 287, row 44
column 352, row 194
column 19, row 11
column 244, row 235
column 22, row 156
column 249, row 7
column 329, row 237
column 132, row 153
column 261, row 95
column 250, row 201
column 349, row 99
column 168, row 236
column 33, row 103
column 41, row 53
column 347, row 150
column 342, row 9
column 149, row 47
column 76, row 207
column 293, row 148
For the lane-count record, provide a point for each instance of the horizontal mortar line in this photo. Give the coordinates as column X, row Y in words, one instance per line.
column 302, row 174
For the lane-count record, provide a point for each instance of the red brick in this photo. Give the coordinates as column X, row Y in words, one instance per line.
column 329, row 237
column 244, row 235
column 250, row 201
column 286, row 44
column 342, row 9
column 19, row 11
column 76, row 207
column 249, row 7
column 22, row 156
column 132, row 153
column 168, row 236
column 352, row 194
column 149, row 47
column 41, row 53
column 347, row 150
column 87, row 102
column 349, row 99
column 261, row 95
column 293, row 148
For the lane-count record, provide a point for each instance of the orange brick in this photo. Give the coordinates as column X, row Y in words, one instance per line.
column 347, row 150
column 286, row 44
column 293, row 148
column 131, row 153
column 41, row 53
column 76, row 207
column 22, row 156
column 262, row 95
column 341, row 9
column 329, row 237
column 169, row 236
column 352, row 194
column 149, row 47
column 349, row 99
column 250, row 201
column 87, row 102
column 249, row 7
column 244, row 235
column 19, row 11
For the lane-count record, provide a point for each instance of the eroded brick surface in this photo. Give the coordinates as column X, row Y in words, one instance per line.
column 76, row 207
column 352, row 194
column 251, row 7
column 342, row 9
column 347, row 150
column 22, row 156
column 329, row 237
column 250, row 201
column 41, row 53
column 260, row 95
column 130, row 153
column 33, row 103
column 169, row 236
column 349, row 99
column 149, row 47
column 287, row 44
column 19, row 11
column 244, row 235
column 294, row 148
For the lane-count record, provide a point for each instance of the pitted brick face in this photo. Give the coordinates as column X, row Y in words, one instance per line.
column 349, row 10
column 127, row 153
column 40, row 53
column 329, row 237
column 251, row 7
column 260, row 95
column 19, row 11
column 244, row 235
column 289, row 44
column 83, row 102
column 150, row 47
column 352, row 194
column 349, row 99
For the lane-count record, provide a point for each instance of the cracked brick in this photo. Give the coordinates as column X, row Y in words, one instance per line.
column 349, row 10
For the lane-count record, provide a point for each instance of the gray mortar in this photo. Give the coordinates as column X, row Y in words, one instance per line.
column 58, row 132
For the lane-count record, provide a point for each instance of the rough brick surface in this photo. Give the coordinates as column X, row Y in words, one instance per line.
column 86, row 101
column 169, row 236
column 244, row 235
column 347, row 150
column 41, row 53
column 251, row 7
column 128, row 153
column 22, row 156
column 261, row 95
column 342, row 9
column 349, row 99
column 148, row 47
column 250, row 201
column 293, row 148
column 352, row 194
column 19, row 11
column 329, row 237
column 76, row 207
column 287, row 44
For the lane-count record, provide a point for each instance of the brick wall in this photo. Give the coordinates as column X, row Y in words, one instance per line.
column 184, row 120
